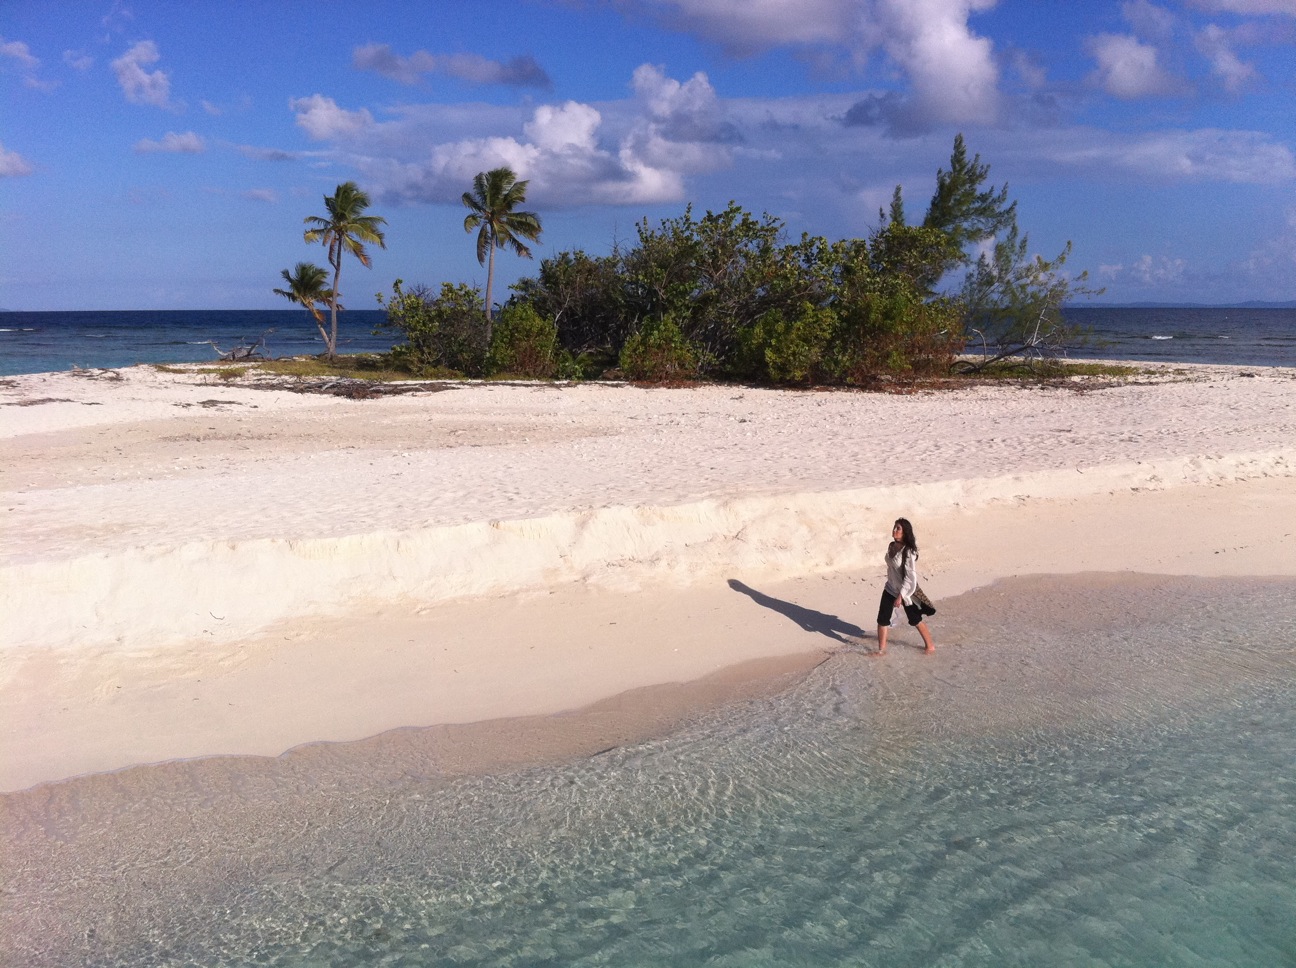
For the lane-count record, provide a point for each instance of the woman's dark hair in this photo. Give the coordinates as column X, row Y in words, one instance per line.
column 907, row 529
column 910, row 545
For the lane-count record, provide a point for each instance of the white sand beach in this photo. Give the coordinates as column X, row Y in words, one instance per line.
column 191, row 567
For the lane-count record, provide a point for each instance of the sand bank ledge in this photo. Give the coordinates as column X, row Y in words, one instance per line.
column 222, row 592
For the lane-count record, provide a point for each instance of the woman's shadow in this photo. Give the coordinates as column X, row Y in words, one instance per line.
column 810, row 620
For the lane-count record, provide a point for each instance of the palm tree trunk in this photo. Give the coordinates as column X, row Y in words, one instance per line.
column 330, row 345
column 490, row 280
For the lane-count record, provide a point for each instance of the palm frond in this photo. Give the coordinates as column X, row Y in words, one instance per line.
column 306, row 287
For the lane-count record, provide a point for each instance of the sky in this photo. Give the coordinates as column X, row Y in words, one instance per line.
column 163, row 155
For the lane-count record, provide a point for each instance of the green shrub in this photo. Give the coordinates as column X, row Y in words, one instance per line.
column 569, row 366
column 523, row 343
column 889, row 328
column 779, row 349
column 445, row 332
column 659, row 353
column 586, row 365
column 584, row 295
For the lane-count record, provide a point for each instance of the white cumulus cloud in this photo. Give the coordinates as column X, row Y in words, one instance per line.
column 680, row 127
column 1232, row 71
column 19, row 54
column 634, row 151
column 951, row 70
column 1128, row 68
column 664, row 97
column 184, row 143
column 142, row 86
column 16, row 55
column 322, row 119
column 560, row 155
column 13, row 165
column 571, row 127
column 1148, row 20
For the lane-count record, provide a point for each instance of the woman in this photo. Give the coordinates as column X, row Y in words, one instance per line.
column 902, row 580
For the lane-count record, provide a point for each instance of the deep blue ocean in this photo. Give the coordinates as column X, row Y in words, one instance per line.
column 1243, row 337
column 52, row 341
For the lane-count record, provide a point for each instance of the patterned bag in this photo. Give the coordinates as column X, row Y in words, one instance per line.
column 923, row 602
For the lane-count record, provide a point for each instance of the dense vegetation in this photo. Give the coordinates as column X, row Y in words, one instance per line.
column 727, row 297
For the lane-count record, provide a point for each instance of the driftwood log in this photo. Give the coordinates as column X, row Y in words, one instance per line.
column 243, row 351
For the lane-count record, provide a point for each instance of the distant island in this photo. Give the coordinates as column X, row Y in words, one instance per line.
column 1249, row 304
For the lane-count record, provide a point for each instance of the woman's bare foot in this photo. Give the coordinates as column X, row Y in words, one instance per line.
column 928, row 645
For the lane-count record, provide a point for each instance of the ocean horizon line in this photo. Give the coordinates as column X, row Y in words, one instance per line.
column 1066, row 307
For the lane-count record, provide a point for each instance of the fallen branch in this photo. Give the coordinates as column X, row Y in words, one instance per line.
column 244, row 351
column 346, row 387
column 1050, row 343
column 96, row 373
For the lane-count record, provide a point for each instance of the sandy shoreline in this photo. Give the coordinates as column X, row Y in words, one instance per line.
column 193, row 568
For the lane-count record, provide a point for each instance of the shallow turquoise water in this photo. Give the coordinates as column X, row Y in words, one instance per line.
column 1064, row 783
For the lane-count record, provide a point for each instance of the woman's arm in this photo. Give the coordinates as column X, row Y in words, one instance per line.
column 910, row 562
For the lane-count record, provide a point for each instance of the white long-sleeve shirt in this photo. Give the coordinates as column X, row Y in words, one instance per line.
column 903, row 590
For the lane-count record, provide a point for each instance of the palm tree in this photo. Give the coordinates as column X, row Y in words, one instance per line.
column 495, row 195
column 306, row 288
column 345, row 229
